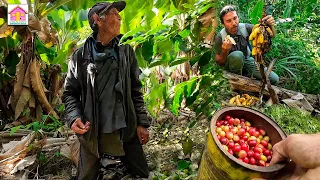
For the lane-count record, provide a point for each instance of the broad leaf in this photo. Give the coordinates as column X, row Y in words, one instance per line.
column 205, row 58
column 177, row 99
column 185, row 33
column 142, row 63
column 14, row 2
column 178, row 61
column 11, row 61
column 257, row 12
column 287, row 10
column 183, row 164
column 147, row 51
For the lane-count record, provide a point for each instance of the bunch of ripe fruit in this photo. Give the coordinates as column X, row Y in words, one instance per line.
column 244, row 100
column 249, row 144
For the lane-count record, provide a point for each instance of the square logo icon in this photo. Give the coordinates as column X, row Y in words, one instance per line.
column 17, row 14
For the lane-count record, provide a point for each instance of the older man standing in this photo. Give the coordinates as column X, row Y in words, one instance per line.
column 104, row 104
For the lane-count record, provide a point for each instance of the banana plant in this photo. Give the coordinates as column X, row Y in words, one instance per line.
column 43, row 46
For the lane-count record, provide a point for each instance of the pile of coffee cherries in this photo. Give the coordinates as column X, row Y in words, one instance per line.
column 247, row 143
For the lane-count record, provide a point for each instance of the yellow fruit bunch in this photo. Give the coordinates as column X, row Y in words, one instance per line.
column 261, row 39
column 244, row 100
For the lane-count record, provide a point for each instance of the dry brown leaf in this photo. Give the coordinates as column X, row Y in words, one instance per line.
column 32, row 101
column 55, row 82
column 6, row 30
column 25, row 94
column 207, row 17
column 25, row 162
column 37, row 86
column 20, row 72
column 24, row 98
column 38, row 112
column 34, row 23
column 18, row 147
column 46, row 34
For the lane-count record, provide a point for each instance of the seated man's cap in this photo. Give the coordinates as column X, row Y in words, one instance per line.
column 102, row 7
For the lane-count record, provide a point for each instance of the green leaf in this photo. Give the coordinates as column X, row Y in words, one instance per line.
column 10, row 62
column 61, row 57
column 1, row 21
column 191, row 99
column 142, row 63
column 192, row 124
column 179, row 61
column 44, row 58
column 194, row 60
column 287, row 10
column 36, row 126
column 14, row 129
column 156, row 97
column 164, row 46
column 205, row 58
column 185, row 33
column 162, row 4
column 14, row 2
column 257, row 12
column 183, row 164
column 61, row 108
column 205, row 81
column 147, row 51
column 177, row 99
column 191, row 84
column 52, row 8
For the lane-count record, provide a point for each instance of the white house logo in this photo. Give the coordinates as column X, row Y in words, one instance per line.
column 17, row 14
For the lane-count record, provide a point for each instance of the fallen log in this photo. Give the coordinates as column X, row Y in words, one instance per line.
column 242, row 83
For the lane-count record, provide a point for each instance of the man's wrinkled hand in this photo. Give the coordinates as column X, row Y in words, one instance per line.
column 80, row 128
column 143, row 134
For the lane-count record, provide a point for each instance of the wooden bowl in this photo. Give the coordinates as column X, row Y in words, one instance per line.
column 218, row 163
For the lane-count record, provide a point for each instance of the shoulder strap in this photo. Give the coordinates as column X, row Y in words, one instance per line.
column 243, row 30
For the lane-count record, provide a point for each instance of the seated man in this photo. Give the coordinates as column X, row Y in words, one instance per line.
column 236, row 58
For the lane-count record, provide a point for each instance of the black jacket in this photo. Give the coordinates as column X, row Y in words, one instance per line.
column 80, row 100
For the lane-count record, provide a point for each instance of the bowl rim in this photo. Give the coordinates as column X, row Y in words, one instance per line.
column 272, row 168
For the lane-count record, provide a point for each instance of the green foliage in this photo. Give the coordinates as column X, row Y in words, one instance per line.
column 42, row 125
column 297, row 58
column 257, row 12
column 184, row 89
column 292, row 120
column 287, row 10
column 182, row 164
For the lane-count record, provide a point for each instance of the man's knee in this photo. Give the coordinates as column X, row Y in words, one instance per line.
column 235, row 62
column 274, row 78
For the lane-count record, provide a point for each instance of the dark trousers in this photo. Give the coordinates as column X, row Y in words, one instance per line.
column 238, row 64
column 134, row 160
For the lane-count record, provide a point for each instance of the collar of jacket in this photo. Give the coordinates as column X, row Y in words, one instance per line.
column 87, row 48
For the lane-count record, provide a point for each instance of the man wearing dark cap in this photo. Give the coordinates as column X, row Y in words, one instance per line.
column 103, row 100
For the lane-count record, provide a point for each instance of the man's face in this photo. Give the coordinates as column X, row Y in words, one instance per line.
column 110, row 23
column 231, row 22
